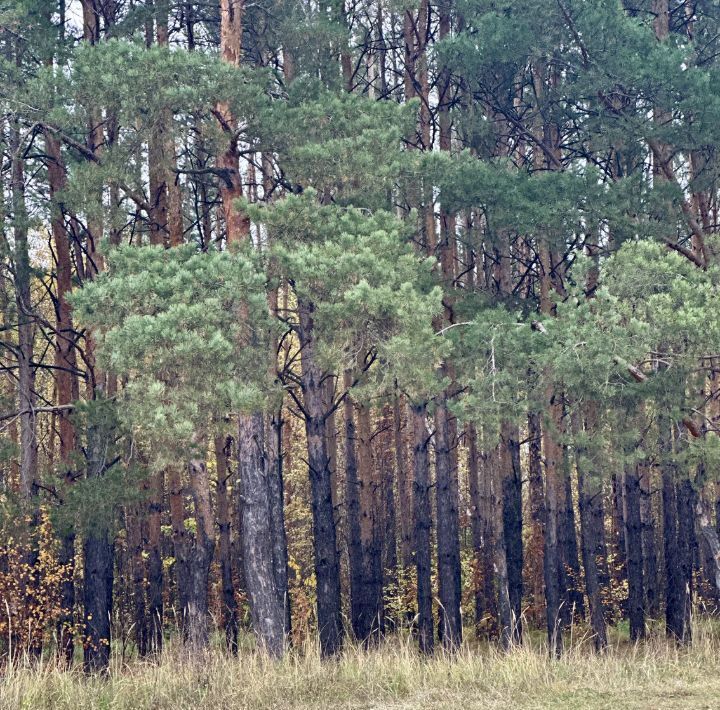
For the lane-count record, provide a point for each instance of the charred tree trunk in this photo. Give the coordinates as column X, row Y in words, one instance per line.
column 97, row 567
column 497, row 465
column 136, row 536
column 331, row 444
column 619, row 566
column 448, row 532
column 180, row 535
column 327, row 562
column 649, row 544
column 573, row 603
column 97, row 599
column 551, row 561
column 276, row 499
column 482, row 534
column 198, row 558
column 155, row 572
column 222, row 445
column 633, row 542
column 423, row 552
column 592, row 540
column 511, row 490
column 687, row 548
column 675, row 620
column 352, row 497
column 371, row 598
column 404, row 487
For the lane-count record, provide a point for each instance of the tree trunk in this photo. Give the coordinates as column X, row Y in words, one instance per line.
column 511, row 487
column 712, row 542
column 482, row 566
column 649, row 544
column 352, row 497
column 327, row 562
column 180, row 534
column 619, row 567
column 223, row 446
column 26, row 397
column 198, row 558
column 97, row 568
column 237, row 223
column 371, row 598
column 448, row 532
column 136, row 536
column 475, row 519
column 537, row 516
column 633, row 542
column 591, row 538
column 276, row 500
column 551, row 565
column 266, row 601
column 573, row 603
column 97, row 600
column 675, row 621
column 66, row 384
column 331, row 444
column 404, row 488
column 687, row 548
column 387, row 526
column 497, row 465
column 423, row 551
column 23, row 301
column 155, row 571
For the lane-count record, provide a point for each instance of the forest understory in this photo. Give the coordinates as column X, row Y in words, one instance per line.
column 394, row 676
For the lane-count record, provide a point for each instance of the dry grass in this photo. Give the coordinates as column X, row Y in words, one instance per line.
column 651, row 675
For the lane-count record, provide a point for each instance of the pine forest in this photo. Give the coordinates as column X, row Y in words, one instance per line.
column 358, row 329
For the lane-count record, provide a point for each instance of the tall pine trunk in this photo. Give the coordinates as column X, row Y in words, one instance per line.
column 573, row 603
column 352, row 498
column 404, row 488
column 448, row 535
column 26, row 397
column 276, row 500
column 536, row 494
column 634, row 553
column 222, row 446
column 371, row 617
column 423, row 550
column 551, row 560
column 511, row 489
column 199, row 554
column 97, row 567
column 649, row 543
column 66, row 386
column 266, row 600
column 592, row 539
column 497, row 465
column 481, row 533
column 327, row 560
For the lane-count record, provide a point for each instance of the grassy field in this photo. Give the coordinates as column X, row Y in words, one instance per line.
column 651, row 675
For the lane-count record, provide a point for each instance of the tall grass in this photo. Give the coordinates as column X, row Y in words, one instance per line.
column 654, row 674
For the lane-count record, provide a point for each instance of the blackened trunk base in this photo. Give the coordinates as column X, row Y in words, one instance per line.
column 97, row 598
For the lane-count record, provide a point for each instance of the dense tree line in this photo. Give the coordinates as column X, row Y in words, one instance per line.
column 340, row 318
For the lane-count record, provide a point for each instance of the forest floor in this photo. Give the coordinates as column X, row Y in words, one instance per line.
column 650, row 675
